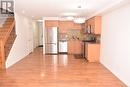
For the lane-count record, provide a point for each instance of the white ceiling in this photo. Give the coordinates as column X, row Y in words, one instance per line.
column 56, row 8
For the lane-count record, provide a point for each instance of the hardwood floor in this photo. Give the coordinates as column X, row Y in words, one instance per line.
column 38, row 70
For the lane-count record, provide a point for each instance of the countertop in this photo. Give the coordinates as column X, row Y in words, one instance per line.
column 90, row 42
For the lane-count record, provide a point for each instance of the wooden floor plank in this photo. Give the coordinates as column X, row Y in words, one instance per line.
column 38, row 70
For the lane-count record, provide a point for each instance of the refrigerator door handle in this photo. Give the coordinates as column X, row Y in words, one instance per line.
column 51, row 43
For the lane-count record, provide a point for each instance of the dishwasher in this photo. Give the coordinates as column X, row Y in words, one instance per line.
column 63, row 47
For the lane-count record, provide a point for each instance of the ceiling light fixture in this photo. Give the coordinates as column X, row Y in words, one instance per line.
column 79, row 6
column 75, row 17
column 70, row 18
column 79, row 20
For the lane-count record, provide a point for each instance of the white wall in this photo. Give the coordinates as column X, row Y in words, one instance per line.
column 115, row 42
column 23, row 44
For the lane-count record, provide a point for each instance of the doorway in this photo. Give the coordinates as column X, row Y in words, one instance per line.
column 37, row 34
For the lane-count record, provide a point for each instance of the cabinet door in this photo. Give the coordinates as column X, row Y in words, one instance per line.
column 70, row 47
column 64, row 26
column 77, row 26
column 97, row 23
column 74, row 47
column 77, row 48
column 93, row 52
column 86, row 51
column 51, row 23
column 91, row 24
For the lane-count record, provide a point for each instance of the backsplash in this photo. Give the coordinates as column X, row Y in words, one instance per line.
column 63, row 36
column 98, row 38
column 74, row 34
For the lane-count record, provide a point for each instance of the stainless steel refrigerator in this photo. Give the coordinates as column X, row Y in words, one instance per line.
column 51, row 40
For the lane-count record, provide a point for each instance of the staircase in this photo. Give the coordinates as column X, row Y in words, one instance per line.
column 7, row 37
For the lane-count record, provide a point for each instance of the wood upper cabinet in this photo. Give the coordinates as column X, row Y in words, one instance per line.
column 95, row 24
column 64, row 26
column 92, row 52
column 51, row 23
column 77, row 26
column 74, row 47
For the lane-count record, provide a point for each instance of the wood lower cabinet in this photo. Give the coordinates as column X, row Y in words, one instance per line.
column 92, row 52
column 74, row 47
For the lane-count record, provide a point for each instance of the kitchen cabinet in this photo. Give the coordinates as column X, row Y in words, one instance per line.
column 74, row 47
column 92, row 52
column 64, row 26
column 77, row 26
column 51, row 23
column 95, row 24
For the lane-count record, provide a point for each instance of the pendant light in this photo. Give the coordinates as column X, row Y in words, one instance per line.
column 79, row 20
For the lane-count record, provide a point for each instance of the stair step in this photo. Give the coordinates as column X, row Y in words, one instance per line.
column 4, row 29
column 7, row 23
column 3, row 33
column 9, row 20
column 11, row 41
column 11, row 37
column 1, row 37
column 11, row 17
column 1, row 28
column 6, row 26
